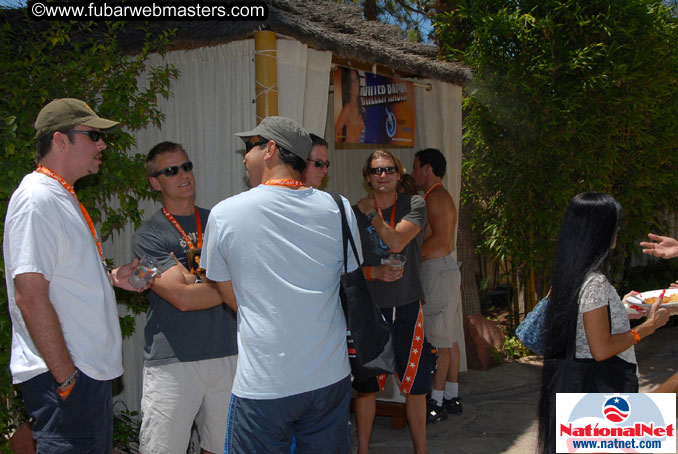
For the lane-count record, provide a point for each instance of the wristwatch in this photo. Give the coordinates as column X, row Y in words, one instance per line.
column 371, row 216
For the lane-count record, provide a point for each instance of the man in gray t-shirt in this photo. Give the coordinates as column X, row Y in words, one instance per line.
column 190, row 346
column 394, row 223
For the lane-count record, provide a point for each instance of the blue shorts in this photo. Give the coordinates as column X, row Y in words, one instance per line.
column 317, row 419
column 83, row 423
column 415, row 356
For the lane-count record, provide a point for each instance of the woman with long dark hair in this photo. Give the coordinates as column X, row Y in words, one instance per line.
column 349, row 125
column 585, row 314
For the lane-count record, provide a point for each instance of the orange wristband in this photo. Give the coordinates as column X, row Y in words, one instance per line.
column 65, row 392
column 636, row 336
column 368, row 274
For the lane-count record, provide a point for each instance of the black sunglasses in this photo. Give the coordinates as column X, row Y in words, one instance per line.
column 250, row 145
column 319, row 163
column 94, row 136
column 173, row 170
column 379, row 170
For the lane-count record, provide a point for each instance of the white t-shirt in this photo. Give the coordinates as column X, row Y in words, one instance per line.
column 282, row 249
column 46, row 233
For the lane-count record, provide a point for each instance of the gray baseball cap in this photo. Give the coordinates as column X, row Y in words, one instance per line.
column 286, row 133
column 68, row 112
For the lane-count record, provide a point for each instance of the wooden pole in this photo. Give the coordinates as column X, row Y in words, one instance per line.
column 266, row 73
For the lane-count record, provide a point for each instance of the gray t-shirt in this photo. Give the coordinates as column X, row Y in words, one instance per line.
column 598, row 292
column 170, row 335
column 407, row 289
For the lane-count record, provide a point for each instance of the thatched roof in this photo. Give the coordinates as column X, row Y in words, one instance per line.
column 322, row 25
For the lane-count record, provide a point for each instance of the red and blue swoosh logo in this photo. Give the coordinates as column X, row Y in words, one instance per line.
column 616, row 409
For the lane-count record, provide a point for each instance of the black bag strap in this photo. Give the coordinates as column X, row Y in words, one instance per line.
column 345, row 230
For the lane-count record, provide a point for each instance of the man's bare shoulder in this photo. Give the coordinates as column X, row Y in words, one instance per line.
column 440, row 199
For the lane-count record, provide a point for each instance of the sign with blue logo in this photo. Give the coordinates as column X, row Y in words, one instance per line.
column 598, row 422
column 372, row 109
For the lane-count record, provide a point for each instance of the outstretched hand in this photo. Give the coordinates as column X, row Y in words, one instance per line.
column 660, row 246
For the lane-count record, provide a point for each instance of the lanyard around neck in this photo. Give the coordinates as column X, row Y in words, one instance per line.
column 284, row 182
column 395, row 202
column 53, row 175
column 198, row 227
column 431, row 189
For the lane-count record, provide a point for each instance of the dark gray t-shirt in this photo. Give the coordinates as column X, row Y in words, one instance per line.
column 407, row 289
column 170, row 335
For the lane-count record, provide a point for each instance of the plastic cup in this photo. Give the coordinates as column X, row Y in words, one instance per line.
column 146, row 270
column 395, row 261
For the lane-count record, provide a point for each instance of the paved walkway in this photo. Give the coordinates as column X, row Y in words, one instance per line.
column 500, row 405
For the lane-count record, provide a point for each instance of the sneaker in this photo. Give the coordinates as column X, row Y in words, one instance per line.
column 453, row 405
column 435, row 412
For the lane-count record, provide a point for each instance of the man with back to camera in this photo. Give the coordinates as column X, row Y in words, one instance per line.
column 66, row 341
column 190, row 350
column 317, row 164
column 443, row 317
column 278, row 248
column 392, row 222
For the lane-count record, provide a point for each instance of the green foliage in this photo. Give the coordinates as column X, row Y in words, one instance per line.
column 126, row 427
column 41, row 61
column 567, row 97
column 412, row 16
column 512, row 349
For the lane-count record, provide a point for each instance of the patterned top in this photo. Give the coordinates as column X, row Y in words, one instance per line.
column 598, row 292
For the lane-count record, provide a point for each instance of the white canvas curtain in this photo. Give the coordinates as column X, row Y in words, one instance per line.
column 213, row 99
column 437, row 125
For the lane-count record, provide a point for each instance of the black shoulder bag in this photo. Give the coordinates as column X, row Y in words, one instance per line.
column 370, row 348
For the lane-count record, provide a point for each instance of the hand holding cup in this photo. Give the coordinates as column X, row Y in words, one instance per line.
column 146, row 269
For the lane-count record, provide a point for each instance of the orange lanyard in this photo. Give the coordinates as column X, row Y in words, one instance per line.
column 431, row 189
column 395, row 202
column 83, row 210
column 284, row 182
column 198, row 227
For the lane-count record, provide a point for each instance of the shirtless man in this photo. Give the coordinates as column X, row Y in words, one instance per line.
column 443, row 322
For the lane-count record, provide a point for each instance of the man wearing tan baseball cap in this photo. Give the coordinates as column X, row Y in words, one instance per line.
column 66, row 341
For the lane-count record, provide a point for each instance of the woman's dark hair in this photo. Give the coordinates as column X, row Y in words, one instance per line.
column 317, row 140
column 406, row 185
column 346, row 89
column 291, row 159
column 586, row 236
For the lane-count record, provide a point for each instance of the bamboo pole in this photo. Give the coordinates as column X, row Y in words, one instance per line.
column 266, row 73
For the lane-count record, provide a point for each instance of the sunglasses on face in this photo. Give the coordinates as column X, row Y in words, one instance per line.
column 379, row 170
column 319, row 163
column 94, row 136
column 250, row 145
column 173, row 170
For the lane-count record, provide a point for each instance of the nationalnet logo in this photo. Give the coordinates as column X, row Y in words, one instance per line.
column 598, row 422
